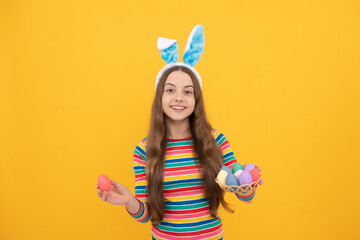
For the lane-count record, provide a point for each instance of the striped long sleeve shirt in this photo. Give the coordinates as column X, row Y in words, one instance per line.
column 187, row 214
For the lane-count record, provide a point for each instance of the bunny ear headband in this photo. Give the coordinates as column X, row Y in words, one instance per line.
column 193, row 50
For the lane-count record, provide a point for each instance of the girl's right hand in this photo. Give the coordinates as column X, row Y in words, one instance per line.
column 117, row 195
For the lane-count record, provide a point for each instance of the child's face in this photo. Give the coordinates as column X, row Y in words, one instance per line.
column 178, row 91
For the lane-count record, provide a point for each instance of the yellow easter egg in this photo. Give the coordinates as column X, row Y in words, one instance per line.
column 221, row 177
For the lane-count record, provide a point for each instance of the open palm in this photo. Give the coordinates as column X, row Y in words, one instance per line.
column 117, row 195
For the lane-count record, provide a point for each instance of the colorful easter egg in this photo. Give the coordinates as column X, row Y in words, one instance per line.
column 231, row 181
column 237, row 173
column 104, row 183
column 255, row 174
column 221, row 177
column 227, row 169
column 249, row 167
column 237, row 166
column 245, row 178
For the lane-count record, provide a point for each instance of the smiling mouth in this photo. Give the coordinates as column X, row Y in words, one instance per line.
column 178, row 108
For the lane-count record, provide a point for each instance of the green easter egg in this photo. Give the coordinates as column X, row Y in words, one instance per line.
column 237, row 166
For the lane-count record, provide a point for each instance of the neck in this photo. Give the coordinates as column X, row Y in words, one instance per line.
column 178, row 129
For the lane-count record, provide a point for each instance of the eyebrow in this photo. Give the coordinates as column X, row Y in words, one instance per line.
column 184, row 87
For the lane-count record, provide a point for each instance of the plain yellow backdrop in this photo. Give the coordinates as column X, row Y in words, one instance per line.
column 280, row 80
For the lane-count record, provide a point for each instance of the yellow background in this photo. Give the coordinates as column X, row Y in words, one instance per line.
column 280, row 80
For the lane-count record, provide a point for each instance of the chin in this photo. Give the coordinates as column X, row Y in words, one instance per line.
column 176, row 118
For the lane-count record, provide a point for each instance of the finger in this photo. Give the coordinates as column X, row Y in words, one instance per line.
column 104, row 196
column 261, row 182
column 115, row 184
column 107, row 197
column 99, row 193
column 118, row 186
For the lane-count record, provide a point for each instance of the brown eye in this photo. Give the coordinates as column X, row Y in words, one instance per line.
column 189, row 92
column 168, row 90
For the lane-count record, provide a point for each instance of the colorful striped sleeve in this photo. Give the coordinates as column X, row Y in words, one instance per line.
column 141, row 191
column 229, row 160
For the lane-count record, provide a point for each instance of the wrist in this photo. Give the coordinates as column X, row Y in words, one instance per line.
column 131, row 201
column 133, row 206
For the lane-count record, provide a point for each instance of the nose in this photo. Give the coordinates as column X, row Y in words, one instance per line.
column 178, row 97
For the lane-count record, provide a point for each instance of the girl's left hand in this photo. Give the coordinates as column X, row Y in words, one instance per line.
column 261, row 181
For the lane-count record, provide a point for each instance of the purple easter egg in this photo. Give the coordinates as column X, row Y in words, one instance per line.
column 245, row 178
column 249, row 167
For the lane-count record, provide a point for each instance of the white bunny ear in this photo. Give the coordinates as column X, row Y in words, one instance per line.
column 194, row 46
column 169, row 49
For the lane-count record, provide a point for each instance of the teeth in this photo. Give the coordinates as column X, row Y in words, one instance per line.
column 180, row 108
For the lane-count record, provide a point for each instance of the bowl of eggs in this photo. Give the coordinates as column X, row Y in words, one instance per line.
column 239, row 180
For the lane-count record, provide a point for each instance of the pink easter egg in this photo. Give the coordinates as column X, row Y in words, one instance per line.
column 255, row 174
column 104, row 183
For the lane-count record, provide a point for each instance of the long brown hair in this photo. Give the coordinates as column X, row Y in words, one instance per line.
column 208, row 152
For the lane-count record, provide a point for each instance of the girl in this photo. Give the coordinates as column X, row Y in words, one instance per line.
column 176, row 164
